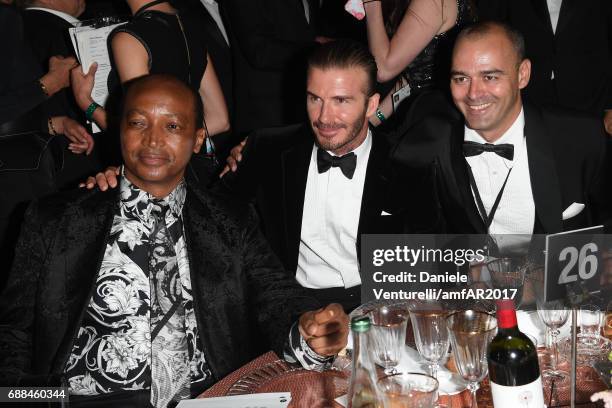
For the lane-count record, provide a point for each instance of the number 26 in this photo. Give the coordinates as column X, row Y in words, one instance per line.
column 587, row 263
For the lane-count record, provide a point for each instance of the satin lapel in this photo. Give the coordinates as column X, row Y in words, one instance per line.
column 460, row 172
column 208, row 265
column 373, row 186
column 542, row 171
column 566, row 14
column 295, row 162
column 83, row 244
column 541, row 9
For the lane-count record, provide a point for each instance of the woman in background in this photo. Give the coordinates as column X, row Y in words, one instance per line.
column 412, row 41
column 159, row 41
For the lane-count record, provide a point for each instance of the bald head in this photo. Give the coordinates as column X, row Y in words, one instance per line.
column 165, row 83
column 161, row 127
column 492, row 28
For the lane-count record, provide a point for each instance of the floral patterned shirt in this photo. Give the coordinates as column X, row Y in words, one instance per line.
column 112, row 350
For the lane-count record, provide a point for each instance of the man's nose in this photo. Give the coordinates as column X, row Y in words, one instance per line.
column 475, row 90
column 153, row 136
column 325, row 113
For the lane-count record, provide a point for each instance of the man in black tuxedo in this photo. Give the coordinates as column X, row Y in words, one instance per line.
column 270, row 40
column 319, row 186
column 507, row 166
column 569, row 43
column 153, row 292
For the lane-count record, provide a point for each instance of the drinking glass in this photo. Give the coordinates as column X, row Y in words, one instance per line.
column 589, row 317
column 509, row 273
column 408, row 390
column 388, row 336
column 607, row 330
column 430, row 333
column 554, row 315
column 470, row 333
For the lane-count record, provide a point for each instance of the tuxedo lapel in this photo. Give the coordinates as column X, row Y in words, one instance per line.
column 460, row 171
column 565, row 15
column 209, row 261
column 541, row 9
column 372, row 199
column 83, row 245
column 295, row 162
column 542, row 171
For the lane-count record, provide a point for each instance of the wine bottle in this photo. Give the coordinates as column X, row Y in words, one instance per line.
column 362, row 386
column 514, row 372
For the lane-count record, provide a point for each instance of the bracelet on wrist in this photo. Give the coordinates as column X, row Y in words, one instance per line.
column 380, row 115
column 90, row 111
column 52, row 130
column 43, row 88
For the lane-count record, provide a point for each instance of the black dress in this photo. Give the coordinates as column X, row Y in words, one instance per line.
column 428, row 74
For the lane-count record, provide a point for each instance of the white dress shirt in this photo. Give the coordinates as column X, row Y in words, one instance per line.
column 332, row 206
column 70, row 19
column 554, row 8
column 213, row 8
column 516, row 211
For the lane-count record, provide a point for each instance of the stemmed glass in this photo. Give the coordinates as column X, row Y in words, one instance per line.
column 430, row 333
column 553, row 314
column 470, row 333
column 388, row 336
column 509, row 273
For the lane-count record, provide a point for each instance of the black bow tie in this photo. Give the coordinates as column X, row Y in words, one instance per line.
column 474, row 149
column 346, row 163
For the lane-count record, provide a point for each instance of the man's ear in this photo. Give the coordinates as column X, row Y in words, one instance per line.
column 524, row 72
column 200, row 137
column 373, row 102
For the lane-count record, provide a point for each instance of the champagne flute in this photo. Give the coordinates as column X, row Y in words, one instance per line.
column 388, row 336
column 470, row 333
column 553, row 314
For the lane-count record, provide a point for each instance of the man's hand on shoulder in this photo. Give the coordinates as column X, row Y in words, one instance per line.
column 104, row 180
column 233, row 158
column 325, row 330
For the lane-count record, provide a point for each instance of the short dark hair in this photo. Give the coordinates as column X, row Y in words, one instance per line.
column 345, row 54
column 142, row 81
column 24, row 4
column 482, row 28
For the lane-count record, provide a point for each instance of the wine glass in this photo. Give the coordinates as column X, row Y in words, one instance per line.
column 509, row 273
column 470, row 333
column 408, row 390
column 430, row 333
column 388, row 336
column 553, row 314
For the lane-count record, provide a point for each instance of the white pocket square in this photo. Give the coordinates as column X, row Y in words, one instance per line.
column 572, row 211
column 384, row 213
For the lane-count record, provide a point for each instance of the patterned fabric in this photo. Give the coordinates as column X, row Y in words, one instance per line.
column 113, row 347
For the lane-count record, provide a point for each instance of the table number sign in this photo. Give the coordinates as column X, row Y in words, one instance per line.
column 573, row 260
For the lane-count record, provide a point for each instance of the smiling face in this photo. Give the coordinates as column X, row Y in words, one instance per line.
column 158, row 134
column 338, row 107
column 486, row 79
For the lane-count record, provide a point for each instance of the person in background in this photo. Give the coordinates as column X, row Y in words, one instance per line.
column 270, row 41
column 30, row 157
column 569, row 43
column 159, row 40
column 412, row 42
column 152, row 293
column 46, row 24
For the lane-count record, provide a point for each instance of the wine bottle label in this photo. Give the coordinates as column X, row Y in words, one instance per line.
column 524, row 396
